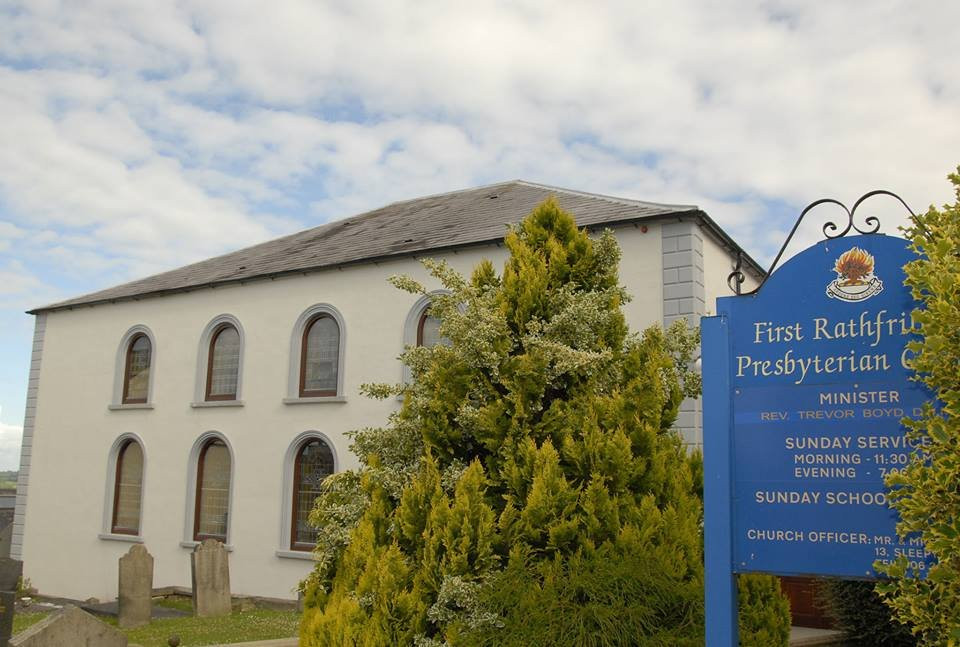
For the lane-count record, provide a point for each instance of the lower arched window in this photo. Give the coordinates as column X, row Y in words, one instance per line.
column 212, row 505
column 127, row 487
column 312, row 464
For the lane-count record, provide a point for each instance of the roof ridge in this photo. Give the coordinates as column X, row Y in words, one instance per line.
column 609, row 198
column 370, row 212
column 440, row 195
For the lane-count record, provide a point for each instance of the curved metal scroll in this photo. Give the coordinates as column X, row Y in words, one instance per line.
column 871, row 225
column 736, row 278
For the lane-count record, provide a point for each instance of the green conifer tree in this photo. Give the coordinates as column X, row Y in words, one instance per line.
column 530, row 490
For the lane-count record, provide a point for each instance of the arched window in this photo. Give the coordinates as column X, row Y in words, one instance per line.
column 428, row 330
column 313, row 463
column 127, row 487
column 319, row 357
column 316, row 356
column 212, row 505
column 420, row 328
column 136, row 372
column 223, row 364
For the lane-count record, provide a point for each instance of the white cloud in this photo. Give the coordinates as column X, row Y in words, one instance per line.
column 172, row 134
column 16, row 279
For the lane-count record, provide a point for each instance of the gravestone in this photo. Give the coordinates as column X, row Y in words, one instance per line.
column 210, row 573
column 135, row 587
column 72, row 627
column 10, row 572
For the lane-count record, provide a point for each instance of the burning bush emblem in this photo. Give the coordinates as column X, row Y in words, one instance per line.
column 855, row 278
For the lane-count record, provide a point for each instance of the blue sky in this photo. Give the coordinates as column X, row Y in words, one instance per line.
column 136, row 137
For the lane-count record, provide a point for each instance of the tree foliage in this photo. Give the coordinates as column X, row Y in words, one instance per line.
column 861, row 615
column 927, row 492
column 530, row 489
column 764, row 612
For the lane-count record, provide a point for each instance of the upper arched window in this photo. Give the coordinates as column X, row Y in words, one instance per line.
column 428, row 330
column 223, row 363
column 212, row 505
column 127, row 488
column 320, row 357
column 136, row 372
column 313, row 463
column 420, row 328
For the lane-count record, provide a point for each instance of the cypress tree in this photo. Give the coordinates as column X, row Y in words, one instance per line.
column 530, row 489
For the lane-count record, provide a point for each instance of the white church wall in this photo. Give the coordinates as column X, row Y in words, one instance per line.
column 722, row 261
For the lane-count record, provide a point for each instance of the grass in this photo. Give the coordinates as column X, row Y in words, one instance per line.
column 178, row 602
column 23, row 620
column 240, row 626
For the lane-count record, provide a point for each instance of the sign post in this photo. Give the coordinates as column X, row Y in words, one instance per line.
column 805, row 386
column 719, row 582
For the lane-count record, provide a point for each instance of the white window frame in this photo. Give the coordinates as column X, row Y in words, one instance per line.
column 286, row 502
column 120, row 370
column 191, row 503
column 203, row 358
column 110, row 492
column 296, row 354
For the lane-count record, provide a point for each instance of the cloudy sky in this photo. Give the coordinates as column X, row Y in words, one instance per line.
column 138, row 136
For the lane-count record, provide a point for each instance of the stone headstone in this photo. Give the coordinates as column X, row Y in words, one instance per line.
column 10, row 572
column 8, row 599
column 135, row 587
column 210, row 572
column 72, row 627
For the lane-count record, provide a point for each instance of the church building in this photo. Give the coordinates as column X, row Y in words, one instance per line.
column 210, row 401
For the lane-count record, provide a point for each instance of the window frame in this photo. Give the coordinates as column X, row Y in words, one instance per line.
column 120, row 453
column 287, row 498
column 413, row 327
column 190, row 499
column 121, row 369
column 110, row 489
column 201, row 458
column 214, row 336
column 294, row 392
column 295, row 491
column 302, row 391
column 424, row 315
column 204, row 347
column 126, row 399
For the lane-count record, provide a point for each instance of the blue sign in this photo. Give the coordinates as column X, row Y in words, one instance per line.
column 805, row 386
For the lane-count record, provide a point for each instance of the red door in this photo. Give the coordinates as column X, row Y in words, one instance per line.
column 802, row 593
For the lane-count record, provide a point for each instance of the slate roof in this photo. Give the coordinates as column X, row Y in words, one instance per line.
column 467, row 217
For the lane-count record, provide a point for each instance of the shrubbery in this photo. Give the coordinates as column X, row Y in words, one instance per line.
column 926, row 493
column 764, row 612
column 862, row 616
